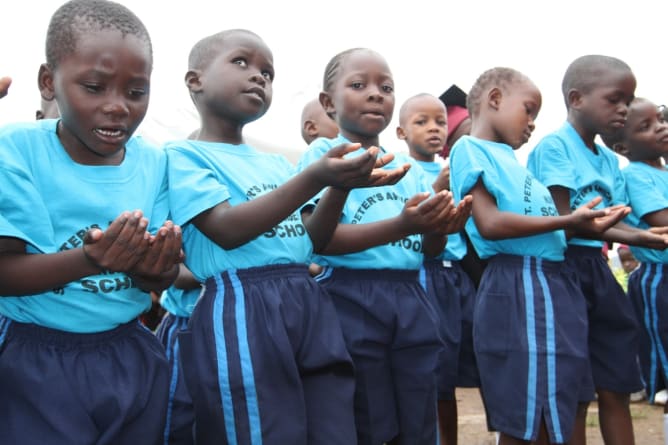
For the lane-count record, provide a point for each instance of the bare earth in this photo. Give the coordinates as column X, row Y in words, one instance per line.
column 647, row 422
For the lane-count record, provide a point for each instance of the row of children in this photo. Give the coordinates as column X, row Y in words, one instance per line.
column 268, row 354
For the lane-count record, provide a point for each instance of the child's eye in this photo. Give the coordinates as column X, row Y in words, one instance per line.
column 420, row 122
column 268, row 75
column 388, row 88
column 241, row 62
column 357, row 85
column 138, row 92
column 92, row 87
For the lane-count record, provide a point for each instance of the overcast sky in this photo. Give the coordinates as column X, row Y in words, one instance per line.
column 429, row 45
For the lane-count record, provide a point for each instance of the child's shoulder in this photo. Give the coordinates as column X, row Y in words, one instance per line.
column 29, row 130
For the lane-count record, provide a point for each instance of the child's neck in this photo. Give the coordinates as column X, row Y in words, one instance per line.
column 656, row 163
column 587, row 136
column 422, row 157
column 366, row 141
column 221, row 131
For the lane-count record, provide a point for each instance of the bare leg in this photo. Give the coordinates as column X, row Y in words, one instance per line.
column 508, row 440
column 614, row 415
column 447, row 421
column 579, row 436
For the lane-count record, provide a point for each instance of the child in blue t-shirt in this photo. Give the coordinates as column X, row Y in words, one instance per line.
column 597, row 90
column 373, row 259
column 423, row 124
column 530, row 318
column 263, row 358
column 644, row 141
column 86, row 205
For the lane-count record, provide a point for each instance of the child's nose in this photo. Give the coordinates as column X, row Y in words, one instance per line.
column 116, row 105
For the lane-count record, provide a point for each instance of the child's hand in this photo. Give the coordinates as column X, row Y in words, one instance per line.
column 4, row 86
column 121, row 246
column 348, row 173
column 457, row 217
column 424, row 214
column 588, row 220
column 163, row 253
column 654, row 238
column 443, row 179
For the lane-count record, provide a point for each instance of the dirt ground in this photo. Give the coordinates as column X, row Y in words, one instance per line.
column 647, row 422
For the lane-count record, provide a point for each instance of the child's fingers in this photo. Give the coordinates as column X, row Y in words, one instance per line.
column 131, row 243
column 341, row 150
column 380, row 177
column 594, row 202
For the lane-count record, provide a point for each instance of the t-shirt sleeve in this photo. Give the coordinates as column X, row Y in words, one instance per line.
column 193, row 187
column 465, row 169
column 645, row 195
column 551, row 164
column 21, row 204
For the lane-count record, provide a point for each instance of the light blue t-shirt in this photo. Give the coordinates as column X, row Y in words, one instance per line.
column 205, row 174
column 647, row 189
column 562, row 159
column 515, row 190
column 367, row 205
column 52, row 201
column 455, row 249
column 180, row 302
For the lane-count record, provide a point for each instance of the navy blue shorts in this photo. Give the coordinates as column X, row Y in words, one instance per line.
column 613, row 327
column 529, row 333
column 451, row 293
column 107, row 388
column 390, row 330
column 180, row 420
column 265, row 361
column 648, row 289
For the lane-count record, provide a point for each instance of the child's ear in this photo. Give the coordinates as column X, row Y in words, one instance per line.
column 574, row 98
column 193, row 81
column 494, row 98
column 310, row 128
column 326, row 102
column 401, row 134
column 621, row 148
column 45, row 82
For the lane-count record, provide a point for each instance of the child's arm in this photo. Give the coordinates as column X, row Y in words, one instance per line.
column 118, row 248
column 321, row 222
column 495, row 225
column 421, row 214
column 5, row 82
column 654, row 238
column 232, row 226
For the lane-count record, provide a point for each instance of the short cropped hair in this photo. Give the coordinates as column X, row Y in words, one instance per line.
column 206, row 50
column 585, row 71
column 75, row 18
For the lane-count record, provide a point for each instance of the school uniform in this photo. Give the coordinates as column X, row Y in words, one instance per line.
column 76, row 366
column 452, row 294
column 263, row 357
column 647, row 189
column 529, row 326
column 180, row 420
column 562, row 159
column 388, row 323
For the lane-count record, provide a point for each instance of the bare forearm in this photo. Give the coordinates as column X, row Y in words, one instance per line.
column 350, row 238
column 433, row 244
column 511, row 225
column 322, row 221
column 28, row 274
column 231, row 227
